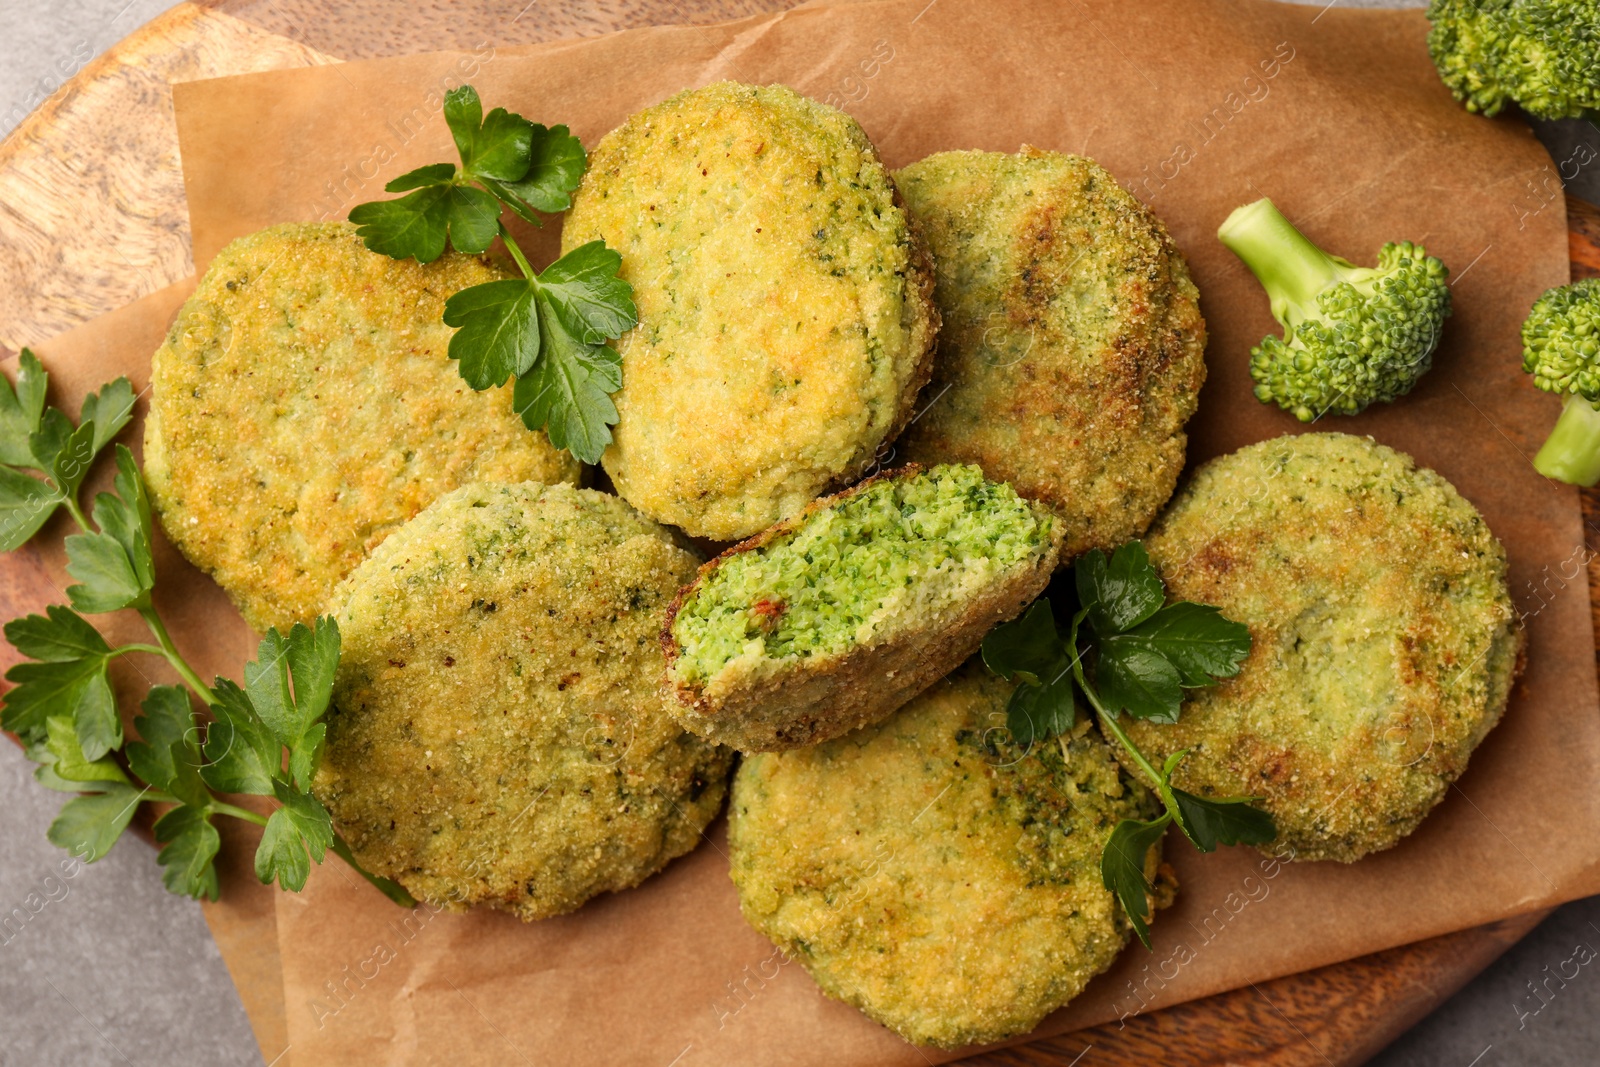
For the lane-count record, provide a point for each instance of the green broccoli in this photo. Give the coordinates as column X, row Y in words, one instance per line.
column 1352, row 335
column 1561, row 349
column 1543, row 54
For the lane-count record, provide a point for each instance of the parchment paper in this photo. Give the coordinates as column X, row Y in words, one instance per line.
column 1198, row 106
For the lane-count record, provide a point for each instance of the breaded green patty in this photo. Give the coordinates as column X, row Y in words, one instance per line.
column 1071, row 354
column 1384, row 643
column 933, row 873
column 785, row 313
column 303, row 406
column 834, row 618
column 497, row 733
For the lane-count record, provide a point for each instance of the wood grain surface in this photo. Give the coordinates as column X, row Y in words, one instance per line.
column 92, row 216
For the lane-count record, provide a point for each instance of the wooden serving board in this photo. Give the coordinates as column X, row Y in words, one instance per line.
column 92, row 216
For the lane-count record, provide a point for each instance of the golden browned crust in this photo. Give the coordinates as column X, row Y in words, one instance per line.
column 932, row 871
column 1071, row 351
column 304, row 406
column 496, row 735
column 784, row 300
column 1384, row 640
column 924, row 329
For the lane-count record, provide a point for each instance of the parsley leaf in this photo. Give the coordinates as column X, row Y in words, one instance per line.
column 104, row 565
column 1039, row 712
column 1146, row 654
column 58, row 636
column 1122, row 866
column 525, row 165
column 115, row 566
column 1121, row 592
column 1135, row 679
column 1028, row 647
column 556, row 166
column 474, row 219
column 418, row 226
column 242, row 756
column 139, row 534
column 463, row 113
column 583, row 292
column 45, row 773
column 89, row 825
column 432, row 174
column 1229, row 820
column 95, row 715
column 44, row 439
column 76, row 689
column 286, row 693
column 1195, row 638
column 567, row 394
column 61, row 739
column 308, row 657
column 191, row 846
column 548, row 330
column 301, row 824
column 166, row 754
column 69, row 681
column 64, row 451
column 413, row 227
column 25, row 505
column 497, row 331
column 107, row 411
column 494, row 147
column 20, row 410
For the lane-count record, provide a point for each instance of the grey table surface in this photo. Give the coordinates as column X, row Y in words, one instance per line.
column 112, row 970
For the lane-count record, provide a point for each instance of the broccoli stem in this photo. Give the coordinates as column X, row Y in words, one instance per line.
column 1571, row 453
column 1291, row 269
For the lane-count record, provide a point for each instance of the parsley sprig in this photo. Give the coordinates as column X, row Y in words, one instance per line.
column 1127, row 651
column 549, row 329
column 263, row 739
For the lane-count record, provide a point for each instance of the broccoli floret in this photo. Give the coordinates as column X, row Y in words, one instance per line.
column 1543, row 54
column 1561, row 349
column 1352, row 335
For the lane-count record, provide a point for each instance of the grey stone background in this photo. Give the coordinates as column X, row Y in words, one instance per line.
column 114, row 971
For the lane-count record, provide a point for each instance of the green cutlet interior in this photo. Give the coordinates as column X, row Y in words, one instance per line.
column 910, row 542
